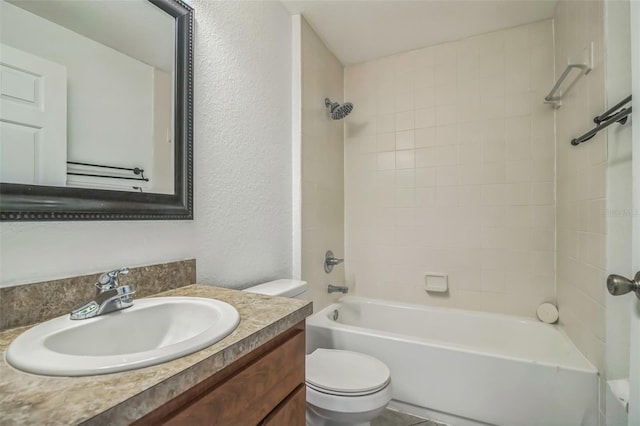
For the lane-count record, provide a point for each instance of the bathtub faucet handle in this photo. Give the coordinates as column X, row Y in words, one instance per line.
column 330, row 261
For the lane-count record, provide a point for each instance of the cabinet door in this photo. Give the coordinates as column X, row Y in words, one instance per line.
column 291, row 412
column 249, row 396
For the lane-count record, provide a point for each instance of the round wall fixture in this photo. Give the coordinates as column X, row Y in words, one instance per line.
column 547, row 312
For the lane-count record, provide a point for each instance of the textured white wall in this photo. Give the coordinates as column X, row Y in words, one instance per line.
column 243, row 129
column 242, row 228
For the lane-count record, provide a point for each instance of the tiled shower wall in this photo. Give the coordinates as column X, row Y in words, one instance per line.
column 581, row 186
column 322, row 167
column 449, row 168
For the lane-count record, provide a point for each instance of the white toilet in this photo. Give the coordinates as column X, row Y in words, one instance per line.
column 343, row 387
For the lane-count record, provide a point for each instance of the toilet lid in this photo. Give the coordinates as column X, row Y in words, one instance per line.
column 345, row 372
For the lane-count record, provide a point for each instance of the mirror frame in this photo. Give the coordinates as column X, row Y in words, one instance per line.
column 48, row 203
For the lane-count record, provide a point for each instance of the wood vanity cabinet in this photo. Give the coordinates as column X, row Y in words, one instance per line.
column 264, row 387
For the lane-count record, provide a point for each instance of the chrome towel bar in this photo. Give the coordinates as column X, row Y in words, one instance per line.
column 607, row 118
column 556, row 100
column 135, row 170
column 585, row 68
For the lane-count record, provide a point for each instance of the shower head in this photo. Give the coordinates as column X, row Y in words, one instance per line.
column 338, row 112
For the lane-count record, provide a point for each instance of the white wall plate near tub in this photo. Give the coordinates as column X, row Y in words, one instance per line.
column 436, row 282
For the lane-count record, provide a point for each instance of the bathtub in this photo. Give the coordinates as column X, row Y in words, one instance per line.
column 463, row 367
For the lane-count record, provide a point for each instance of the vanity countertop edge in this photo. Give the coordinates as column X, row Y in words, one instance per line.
column 121, row 398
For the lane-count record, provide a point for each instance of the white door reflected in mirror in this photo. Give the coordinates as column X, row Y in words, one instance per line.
column 33, row 119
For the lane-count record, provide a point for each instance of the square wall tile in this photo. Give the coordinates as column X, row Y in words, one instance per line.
column 405, row 121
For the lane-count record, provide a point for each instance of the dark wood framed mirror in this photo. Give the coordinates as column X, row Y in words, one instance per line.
column 42, row 202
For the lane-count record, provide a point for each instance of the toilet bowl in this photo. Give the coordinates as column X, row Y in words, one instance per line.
column 344, row 388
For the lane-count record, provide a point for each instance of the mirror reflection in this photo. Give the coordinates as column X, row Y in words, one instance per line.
column 87, row 94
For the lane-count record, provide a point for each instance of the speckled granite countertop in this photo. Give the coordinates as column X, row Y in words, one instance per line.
column 120, row 398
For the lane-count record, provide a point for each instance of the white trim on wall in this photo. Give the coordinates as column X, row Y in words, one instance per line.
column 634, row 366
column 296, row 147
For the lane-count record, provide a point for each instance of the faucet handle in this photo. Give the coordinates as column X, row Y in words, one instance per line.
column 330, row 261
column 109, row 280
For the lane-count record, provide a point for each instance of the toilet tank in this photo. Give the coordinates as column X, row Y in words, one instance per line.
column 295, row 289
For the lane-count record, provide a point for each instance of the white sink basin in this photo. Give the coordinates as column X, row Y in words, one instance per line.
column 150, row 332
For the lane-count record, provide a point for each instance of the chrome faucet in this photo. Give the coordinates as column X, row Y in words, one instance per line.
column 330, row 261
column 110, row 296
column 337, row 288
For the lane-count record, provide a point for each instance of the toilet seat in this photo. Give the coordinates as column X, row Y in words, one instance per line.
column 345, row 373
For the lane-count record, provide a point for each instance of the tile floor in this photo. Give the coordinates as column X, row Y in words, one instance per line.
column 394, row 418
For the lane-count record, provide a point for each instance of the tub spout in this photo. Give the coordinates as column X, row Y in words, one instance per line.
column 335, row 288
